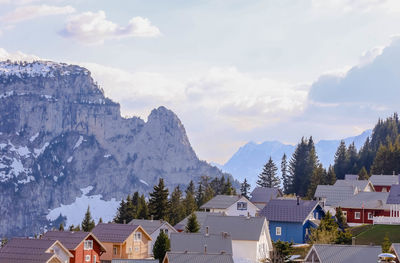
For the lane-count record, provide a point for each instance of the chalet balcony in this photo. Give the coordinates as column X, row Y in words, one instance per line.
column 386, row 220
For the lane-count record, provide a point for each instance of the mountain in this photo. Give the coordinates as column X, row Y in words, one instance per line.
column 249, row 160
column 62, row 140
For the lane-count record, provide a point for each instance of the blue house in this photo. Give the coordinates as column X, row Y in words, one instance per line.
column 291, row 219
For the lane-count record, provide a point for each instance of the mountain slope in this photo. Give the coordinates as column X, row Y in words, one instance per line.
column 59, row 134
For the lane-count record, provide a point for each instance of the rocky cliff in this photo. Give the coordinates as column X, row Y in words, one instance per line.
column 59, row 134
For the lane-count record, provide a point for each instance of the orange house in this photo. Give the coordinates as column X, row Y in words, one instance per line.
column 84, row 246
column 123, row 241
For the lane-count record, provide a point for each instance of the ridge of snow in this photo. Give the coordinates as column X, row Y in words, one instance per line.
column 41, row 150
column 70, row 159
column 144, row 182
column 79, row 142
column 33, row 138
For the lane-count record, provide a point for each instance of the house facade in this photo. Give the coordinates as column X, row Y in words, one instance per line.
column 231, row 205
column 383, row 183
column 260, row 196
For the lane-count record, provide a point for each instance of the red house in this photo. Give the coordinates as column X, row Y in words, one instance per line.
column 383, row 183
column 362, row 207
column 84, row 246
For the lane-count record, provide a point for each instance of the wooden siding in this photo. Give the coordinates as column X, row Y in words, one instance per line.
column 363, row 215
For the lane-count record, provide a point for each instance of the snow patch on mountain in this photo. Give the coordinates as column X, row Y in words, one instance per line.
column 79, row 142
column 144, row 182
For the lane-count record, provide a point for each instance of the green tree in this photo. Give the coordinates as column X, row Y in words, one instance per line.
column 363, row 174
column 208, row 194
column 158, row 203
column 189, row 202
column 177, row 211
column 143, row 209
column 3, row 242
column 192, row 225
column 341, row 161
column 283, row 250
column 330, row 176
column 88, row 222
column 200, row 195
column 161, row 246
column 317, row 178
column 352, row 159
column 100, row 220
column 286, row 178
column 268, row 177
column 340, row 218
column 61, row 227
column 121, row 213
column 228, row 188
column 386, row 244
column 245, row 188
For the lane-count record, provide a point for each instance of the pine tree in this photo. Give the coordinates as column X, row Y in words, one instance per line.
column 228, row 189
column 161, row 246
column 61, row 227
column 268, row 177
column 200, row 196
column 177, row 211
column 192, row 225
column 208, row 194
column 352, row 158
column 245, row 188
column 363, row 174
column 3, row 242
column 341, row 220
column 318, row 176
column 341, row 164
column 121, row 213
column 130, row 210
column 158, row 203
column 386, row 244
column 88, row 222
column 331, row 176
column 143, row 209
column 100, row 220
column 286, row 178
column 191, row 188
column 189, row 201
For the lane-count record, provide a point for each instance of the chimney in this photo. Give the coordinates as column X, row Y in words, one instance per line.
column 207, row 231
column 248, row 215
column 223, row 252
column 205, row 249
column 298, row 200
column 353, row 241
column 124, row 222
column 152, row 217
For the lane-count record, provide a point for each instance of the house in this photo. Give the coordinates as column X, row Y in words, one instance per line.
column 153, row 228
column 395, row 249
column 123, row 241
column 290, row 219
column 331, row 195
column 135, row 261
column 364, row 206
column 383, row 183
column 362, row 185
column 34, row 250
column 393, row 201
column 328, row 253
column 182, row 257
column 84, row 246
column 201, row 243
column 261, row 195
column 201, row 217
column 250, row 235
column 232, row 205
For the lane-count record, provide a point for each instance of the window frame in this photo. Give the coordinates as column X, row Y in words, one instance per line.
column 370, row 216
column 357, row 213
column 88, row 244
column 241, row 206
column 278, row 231
column 115, row 250
column 87, row 258
column 137, row 236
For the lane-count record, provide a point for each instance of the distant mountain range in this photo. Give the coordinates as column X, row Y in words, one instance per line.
column 249, row 160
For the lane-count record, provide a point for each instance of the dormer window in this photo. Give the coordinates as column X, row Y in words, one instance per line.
column 241, row 206
column 88, row 244
column 137, row 236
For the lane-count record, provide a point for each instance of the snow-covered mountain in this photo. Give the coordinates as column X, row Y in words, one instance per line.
column 249, row 160
column 63, row 143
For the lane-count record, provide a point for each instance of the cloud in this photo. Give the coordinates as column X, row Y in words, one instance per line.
column 24, row 13
column 16, row 56
column 94, row 28
column 357, row 5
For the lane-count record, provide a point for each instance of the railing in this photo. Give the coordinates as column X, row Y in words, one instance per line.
column 386, row 220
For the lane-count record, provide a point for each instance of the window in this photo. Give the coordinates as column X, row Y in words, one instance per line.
column 370, row 216
column 166, row 231
column 241, row 206
column 137, row 236
column 87, row 258
column 344, row 214
column 136, row 249
column 357, row 215
column 115, row 249
column 94, row 259
column 278, row 231
column 384, row 189
column 307, row 231
column 88, row 244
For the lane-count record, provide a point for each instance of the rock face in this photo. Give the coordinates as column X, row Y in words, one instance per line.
column 59, row 134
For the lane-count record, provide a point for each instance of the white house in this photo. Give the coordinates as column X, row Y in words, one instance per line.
column 153, row 228
column 250, row 236
column 231, row 205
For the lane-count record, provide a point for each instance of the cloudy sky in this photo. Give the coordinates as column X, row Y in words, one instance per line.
column 232, row 70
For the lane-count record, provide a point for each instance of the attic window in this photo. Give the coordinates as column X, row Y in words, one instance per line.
column 241, row 206
column 88, row 244
column 137, row 236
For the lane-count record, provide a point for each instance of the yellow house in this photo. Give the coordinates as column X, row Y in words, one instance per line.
column 122, row 241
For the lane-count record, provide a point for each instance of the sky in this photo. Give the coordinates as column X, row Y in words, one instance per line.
column 233, row 71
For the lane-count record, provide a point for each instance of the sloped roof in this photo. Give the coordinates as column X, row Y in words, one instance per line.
column 238, row 227
column 370, row 200
column 264, row 194
column 287, row 210
column 394, row 195
column 118, row 260
column 345, row 253
column 384, row 180
column 70, row 239
column 360, row 184
column 174, row 257
column 201, row 217
column 196, row 242
column 150, row 225
column 351, row 176
column 396, row 249
column 221, row 201
column 114, row 233
column 334, row 194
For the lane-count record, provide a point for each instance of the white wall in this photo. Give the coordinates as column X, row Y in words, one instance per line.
column 244, row 250
column 233, row 211
column 155, row 234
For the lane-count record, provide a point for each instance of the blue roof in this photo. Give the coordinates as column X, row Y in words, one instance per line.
column 287, row 210
column 394, row 195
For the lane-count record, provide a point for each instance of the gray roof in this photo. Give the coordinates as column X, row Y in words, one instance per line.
column 345, row 253
column 370, row 200
column 360, row 184
column 351, row 176
column 238, row 227
column 384, row 180
column 134, row 260
column 287, row 210
column 396, row 249
column 70, row 239
column 334, row 194
column 394, row 195
column 115, row 233
column 201, row 217
column 174, row 257
column 196, row 242
column 26, row 250
column 221, row 201
column 149, row 225
column 264, row 194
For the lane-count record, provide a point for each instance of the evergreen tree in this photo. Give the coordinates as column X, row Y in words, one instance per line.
column 130, row 210
column 121, row 212
column 318, row 176
column 200, row 195
column 386, row 244
column 286, row 178
column 268, row 177
column 158, row 203
column 4, row 242
column 352, row 159
column 363, row 174
column 330, row 176
column 340, row 218
column 143, row 209
column 245, row 188
column 88, row 222
column 366, row 155
column 387, row 159
column 71, row 228
column 61, row 227
column 192, row 225
column 228, row 189
column 100, row 220
column 208, row 194
column 341, row 163
column 191, row 188
column 189, row 202
column 177, row 211
column 161, row 246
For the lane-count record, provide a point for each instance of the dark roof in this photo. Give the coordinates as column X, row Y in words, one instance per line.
column 264, row 194
column 345, row 253
column 394, row 195
column 114, row 233
column 115, row 260
column 360, row 184
column 221, row 201
column 287, row 210
column 238, row 227
column 335, row 194
column 370, row 200
column 201, row 217
column 384, row 180
column 174, row 257
column 26, row 250
column 149, row 225
column 70, row 239
column 196, row 242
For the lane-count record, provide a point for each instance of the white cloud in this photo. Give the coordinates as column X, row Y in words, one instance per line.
column 24, row 13
column 357, row 5
column 94, row 28
column 16, row 56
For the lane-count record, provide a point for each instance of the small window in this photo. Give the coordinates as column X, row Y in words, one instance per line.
column 137, row 236
column 344, row 214
column 384, row 189
column 136, row 249
column 278, row 231
column 94, row 259
column 166, row 231
column 241, row 206
column 370, row 216
column 88, row 244
column 115, row 249
column 87, row 258
column 357, row 215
